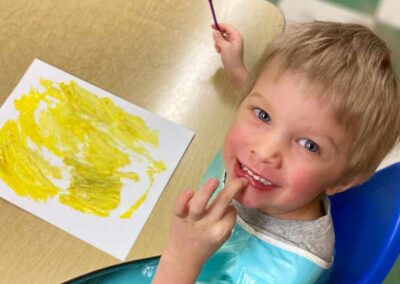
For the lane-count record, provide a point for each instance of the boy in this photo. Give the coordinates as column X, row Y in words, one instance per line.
column 320, row 111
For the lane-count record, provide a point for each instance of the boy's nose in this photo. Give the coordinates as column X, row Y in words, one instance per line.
column 269, row 150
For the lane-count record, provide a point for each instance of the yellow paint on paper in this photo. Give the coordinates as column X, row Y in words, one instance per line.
column 23, row 169
column 94, row 139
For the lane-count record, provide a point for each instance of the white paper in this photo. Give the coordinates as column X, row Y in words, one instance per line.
column 110, row 234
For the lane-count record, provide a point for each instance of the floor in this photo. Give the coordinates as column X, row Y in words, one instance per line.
column 383, row 16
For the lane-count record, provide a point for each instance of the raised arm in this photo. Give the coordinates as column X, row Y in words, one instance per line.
column 229, row 44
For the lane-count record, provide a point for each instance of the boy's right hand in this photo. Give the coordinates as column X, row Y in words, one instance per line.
column 229, row 44
column 198, row 229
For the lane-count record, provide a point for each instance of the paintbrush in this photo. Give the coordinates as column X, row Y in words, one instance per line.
column 213, row 14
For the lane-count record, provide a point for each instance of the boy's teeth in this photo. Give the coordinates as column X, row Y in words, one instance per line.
column 260, row 179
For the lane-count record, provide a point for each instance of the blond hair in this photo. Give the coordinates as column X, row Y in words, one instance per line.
column 354, row 67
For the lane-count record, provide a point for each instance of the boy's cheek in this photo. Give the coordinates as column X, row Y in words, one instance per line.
column 229, row 142
column 236, row 136
column 300, row 182
column 306, row 181
column 233, row 148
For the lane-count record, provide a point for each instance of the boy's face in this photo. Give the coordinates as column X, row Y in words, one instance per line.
column 287, row 144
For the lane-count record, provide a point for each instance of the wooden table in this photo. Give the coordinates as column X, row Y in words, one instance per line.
column 156, row 54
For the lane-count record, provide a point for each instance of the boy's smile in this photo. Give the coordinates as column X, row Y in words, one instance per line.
column 286, row 142
column 256, row 180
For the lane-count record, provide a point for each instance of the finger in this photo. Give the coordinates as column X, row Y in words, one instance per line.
column 227, row 29
column 222, row 202
column 216, row 27
column 227, row 223
column 216, row 41
column 230, row 33
column 219, row 39
column 217, row 48
column 229, row 218
column 198, row 204
column 182, row 202
column 223, row 37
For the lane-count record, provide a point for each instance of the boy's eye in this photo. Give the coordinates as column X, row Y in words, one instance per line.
column 309, row 145
column 264, row 116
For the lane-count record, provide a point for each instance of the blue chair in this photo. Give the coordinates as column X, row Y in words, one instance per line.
column 367, row 228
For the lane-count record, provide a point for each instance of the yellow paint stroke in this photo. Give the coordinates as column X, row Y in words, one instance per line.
column 92, row 136
column 24, row 169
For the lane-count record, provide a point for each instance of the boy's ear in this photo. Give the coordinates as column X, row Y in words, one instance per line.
column 343, row 186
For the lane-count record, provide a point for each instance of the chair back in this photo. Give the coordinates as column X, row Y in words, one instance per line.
column 367, row 227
